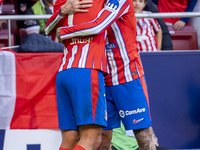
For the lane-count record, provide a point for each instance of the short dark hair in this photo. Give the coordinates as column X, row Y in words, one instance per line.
column 47, row 2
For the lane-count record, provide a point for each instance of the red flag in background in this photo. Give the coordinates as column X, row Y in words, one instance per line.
column 35, row 103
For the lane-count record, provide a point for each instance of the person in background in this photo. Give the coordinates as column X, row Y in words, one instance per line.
column 41, row 7
column 176, row 6
column 149, row 33
column 21, row 6
column 34, row 38
column 166, row 37
column 195, row 22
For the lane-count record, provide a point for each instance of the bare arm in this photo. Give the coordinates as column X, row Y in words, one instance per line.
column 155, row 139
column 179, row 25
column 159, row 39
column 63, row 8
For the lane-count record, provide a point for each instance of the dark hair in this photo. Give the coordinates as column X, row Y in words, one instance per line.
column 47, row 2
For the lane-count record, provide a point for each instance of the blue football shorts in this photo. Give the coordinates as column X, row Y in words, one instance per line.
column 80, row 98
column 128, row 103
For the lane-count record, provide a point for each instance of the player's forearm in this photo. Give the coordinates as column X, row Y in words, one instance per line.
column 64, row 8
column 155, row 139
column 91, row 28
column 159, row 39
column 52, row 23
column 105, row 18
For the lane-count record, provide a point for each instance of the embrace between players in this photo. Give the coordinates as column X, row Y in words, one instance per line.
column 101, row 75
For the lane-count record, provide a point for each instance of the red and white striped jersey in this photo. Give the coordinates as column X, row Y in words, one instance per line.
column 122, row 51
column 146, row 37
column 80, row 52
column 118, row 18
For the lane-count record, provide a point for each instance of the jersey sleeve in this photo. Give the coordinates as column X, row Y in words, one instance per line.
column 53, row 22
column 190, row 7
column 110, row 13
column 156, row 25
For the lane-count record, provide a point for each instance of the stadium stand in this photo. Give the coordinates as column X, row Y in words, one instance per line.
column 185, row 39
column 4, row 38
column 22, row 33
column 8, row 9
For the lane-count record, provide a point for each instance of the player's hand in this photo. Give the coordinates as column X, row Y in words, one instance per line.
column 75, row 6
column 179, row 25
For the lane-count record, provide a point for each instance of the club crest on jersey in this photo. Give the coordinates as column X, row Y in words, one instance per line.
column 110, row 46
column 112, row 5
column 144, row 25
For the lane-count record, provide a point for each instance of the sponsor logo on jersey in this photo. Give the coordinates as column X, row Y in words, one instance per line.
column 121, row 113
column 81, row 40
column 132, row 112
column 136, row 121
column 133, row 73
column 110, row 46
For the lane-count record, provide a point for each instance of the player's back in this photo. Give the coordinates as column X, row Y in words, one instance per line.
column 97, row 5
column 84, row 51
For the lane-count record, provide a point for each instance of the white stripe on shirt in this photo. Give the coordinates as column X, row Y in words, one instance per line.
column 123, row 51
column 82, row 60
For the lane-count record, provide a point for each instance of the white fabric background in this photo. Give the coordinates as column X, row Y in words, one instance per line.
column 7, row 88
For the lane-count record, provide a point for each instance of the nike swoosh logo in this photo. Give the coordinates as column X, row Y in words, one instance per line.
column 137, row 120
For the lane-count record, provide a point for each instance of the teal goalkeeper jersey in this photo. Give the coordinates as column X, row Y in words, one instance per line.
column 122, row 141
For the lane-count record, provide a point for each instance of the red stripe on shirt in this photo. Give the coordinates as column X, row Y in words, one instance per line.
column 144, row 85
column 94, row 90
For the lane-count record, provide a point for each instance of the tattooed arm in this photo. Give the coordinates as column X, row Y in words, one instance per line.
column 155, row 139
column 74, row 6
column 145, row 138
column 63, row 8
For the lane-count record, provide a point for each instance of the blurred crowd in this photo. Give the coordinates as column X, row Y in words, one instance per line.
column 160, row 31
